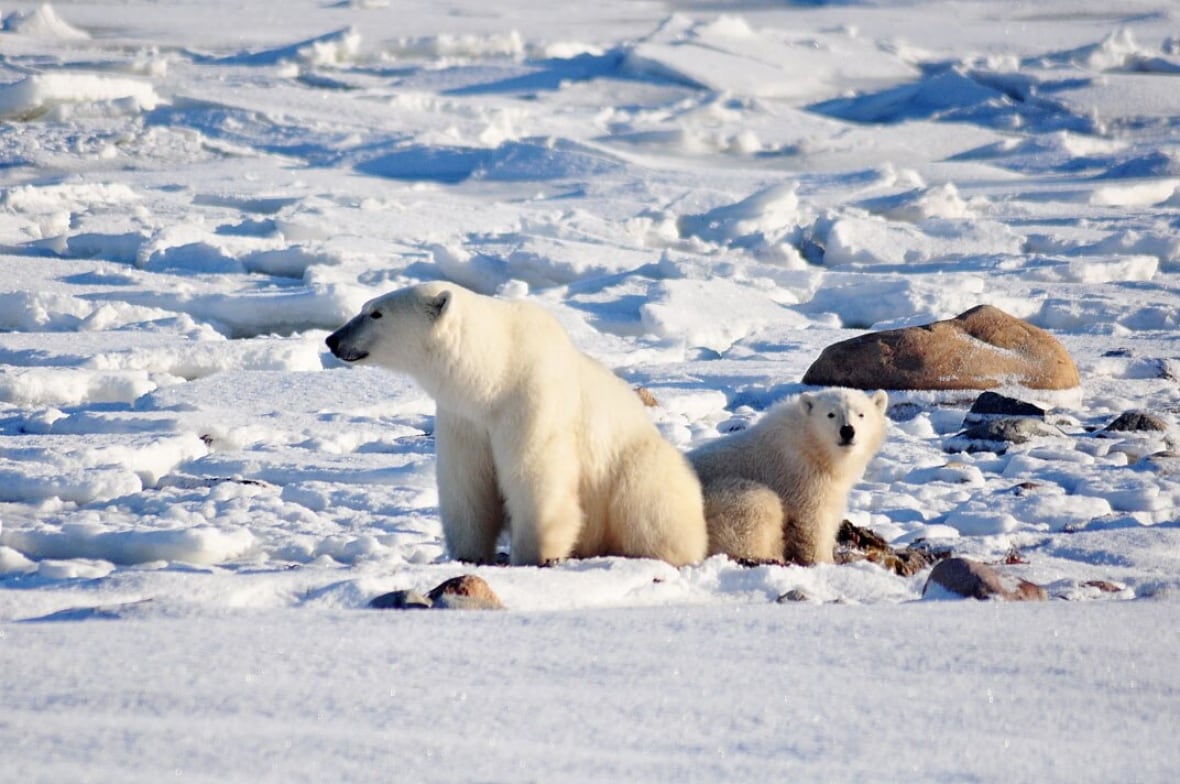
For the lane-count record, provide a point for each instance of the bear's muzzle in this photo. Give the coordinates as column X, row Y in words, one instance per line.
column 346, row 353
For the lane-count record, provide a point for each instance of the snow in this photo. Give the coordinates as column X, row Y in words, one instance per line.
column 197, row 502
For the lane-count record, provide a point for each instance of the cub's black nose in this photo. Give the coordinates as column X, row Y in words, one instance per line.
column 847, row 433
column 333, row 342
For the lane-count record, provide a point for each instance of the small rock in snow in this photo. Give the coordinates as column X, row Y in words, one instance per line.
column 995, row 435
column 647, row 397
column 401, row 600
column 1137, row 421
column 1103, row 585
column 991, row 404
column 466, row 592
column 861, row 544
column 972, row 579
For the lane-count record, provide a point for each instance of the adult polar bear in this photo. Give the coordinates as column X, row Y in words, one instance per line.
column 530, row 432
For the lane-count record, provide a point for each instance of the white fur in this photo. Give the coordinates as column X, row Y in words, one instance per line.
column 779, row 489
column 530, row 432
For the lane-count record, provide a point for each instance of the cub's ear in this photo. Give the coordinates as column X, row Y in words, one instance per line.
column 807, row 402
column 437, row 305
column 880, row 399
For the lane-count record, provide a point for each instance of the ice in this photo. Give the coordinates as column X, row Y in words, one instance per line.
column 197, row 502
column 38, row 94
column 41, row 22
column 711, row 314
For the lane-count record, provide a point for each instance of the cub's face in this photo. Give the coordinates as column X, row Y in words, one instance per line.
column 848, row 421
column 393, row 330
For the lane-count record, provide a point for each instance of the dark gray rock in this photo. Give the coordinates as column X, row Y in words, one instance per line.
column 1135, row 421
column 993, row 404
column 466, row 592
column 401, row 600
column 996, row 435
column 976, row 580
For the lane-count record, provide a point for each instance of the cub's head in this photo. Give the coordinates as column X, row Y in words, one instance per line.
column 395, row 330
column 846, row 421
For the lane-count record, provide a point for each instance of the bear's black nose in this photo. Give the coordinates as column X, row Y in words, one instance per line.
column 333, row 342
column 847, row 433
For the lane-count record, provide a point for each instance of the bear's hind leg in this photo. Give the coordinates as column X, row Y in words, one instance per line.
column 655, row 508
column 745, row 520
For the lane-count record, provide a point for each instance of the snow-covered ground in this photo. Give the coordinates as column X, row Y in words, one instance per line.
column 197, row 502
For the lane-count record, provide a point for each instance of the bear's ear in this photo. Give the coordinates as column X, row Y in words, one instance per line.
column 806, row 402
column 880, row 399
column 437, row 305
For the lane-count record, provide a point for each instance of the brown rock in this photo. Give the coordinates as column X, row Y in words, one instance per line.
column 860, row 544
column 647, row 397
column 983, row 348
column 972, row 579
column 467, row 592
column 1103, row 585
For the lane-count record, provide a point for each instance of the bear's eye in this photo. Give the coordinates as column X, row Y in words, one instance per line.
column 376, row 314
column 831, row 415
column 861, row 415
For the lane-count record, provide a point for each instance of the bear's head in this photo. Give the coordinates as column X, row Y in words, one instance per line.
column 846, row 422
column 396, row 330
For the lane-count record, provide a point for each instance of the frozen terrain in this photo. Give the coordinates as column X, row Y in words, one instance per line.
column 197, row 502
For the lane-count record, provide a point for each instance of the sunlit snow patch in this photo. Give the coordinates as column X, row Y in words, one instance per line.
column 42, row 22
column 332, row 49
column 712, row 314
column 528, row 159
column 39, row 94
column 726, row 54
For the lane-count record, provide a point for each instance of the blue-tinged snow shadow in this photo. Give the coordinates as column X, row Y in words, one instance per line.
column 256, row 131
column 957, row 94
column 551, row 74
column 518, row 161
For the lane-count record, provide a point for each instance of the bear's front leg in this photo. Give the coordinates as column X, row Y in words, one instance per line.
column 811, row 538
column 469, row 499
column 539, row 477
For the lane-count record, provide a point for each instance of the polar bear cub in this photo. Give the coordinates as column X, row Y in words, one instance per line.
column 778, row 490
column 532, row 435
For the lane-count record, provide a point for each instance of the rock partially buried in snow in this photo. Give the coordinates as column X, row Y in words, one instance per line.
column 855, row 543
column 982, row 348
column 401, row 600
column 996, row 435
column 975, row 580
column 466, row 592
column 993, row 404
column 1137, row 421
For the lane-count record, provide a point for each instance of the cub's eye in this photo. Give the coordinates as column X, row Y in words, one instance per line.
column 831, row 416
column 376, row 314
column 861, row 415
